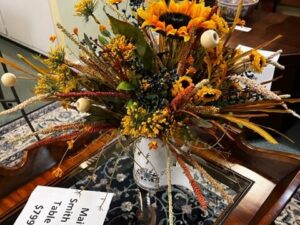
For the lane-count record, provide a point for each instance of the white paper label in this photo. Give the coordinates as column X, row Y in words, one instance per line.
column 268, row 72
column 60, row 206
column 243, row 28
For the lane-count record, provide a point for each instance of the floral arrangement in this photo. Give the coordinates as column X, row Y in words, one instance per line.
column 164, row 70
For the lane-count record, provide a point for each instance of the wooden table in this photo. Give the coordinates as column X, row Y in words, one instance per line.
column 265, row 26
column 275, row 178
column 275, row 175
column 38, row 168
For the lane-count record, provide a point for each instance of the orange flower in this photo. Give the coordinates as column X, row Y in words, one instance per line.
column 114, row 1
column 153, row 145
column 70, row 144
column 52, row 38
column 241, row 22
column 191, row 70
column 75, row 31
column 102, row 28
column 58, row 172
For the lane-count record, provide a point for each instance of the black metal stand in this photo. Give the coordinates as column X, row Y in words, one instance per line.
column 7, row 103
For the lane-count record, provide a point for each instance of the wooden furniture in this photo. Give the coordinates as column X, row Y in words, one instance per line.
column 275, row 175
column 20, row 181
column 271, row 5
column 290, row 3
column 268, row 5
column 265, row 26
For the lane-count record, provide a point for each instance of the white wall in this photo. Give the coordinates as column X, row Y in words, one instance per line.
column 68, row 19
column 2, row 27
column 31, row 22
column 28, row 22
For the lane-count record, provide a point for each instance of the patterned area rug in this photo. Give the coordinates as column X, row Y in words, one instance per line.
column 116, row 176
column 50, row 115
column 124, row 206
column 290, row 215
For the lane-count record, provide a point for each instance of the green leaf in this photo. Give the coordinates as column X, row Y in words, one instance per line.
column 125, row 86
column 88, row 42
column 135, row 35
column 130, row 104
column 102, row 40
column 106, row 33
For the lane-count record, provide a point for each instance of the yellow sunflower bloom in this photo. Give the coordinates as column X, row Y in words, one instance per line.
column 177, row 18
column 207, row 94
column 221, row 24
column 170, row 30
column 182, row 83
column 258, row 61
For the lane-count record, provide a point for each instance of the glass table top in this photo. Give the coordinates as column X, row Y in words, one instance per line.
column 110, row 170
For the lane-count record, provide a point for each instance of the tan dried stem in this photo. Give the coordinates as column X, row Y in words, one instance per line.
column 211, row 180
column 27, row 102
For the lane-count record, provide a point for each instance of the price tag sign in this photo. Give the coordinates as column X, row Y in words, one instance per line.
column 243, row 28
column 58, row 206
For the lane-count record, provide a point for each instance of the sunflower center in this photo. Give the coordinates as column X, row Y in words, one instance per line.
column 177, row 20
column 209, row 95
column 185, row 83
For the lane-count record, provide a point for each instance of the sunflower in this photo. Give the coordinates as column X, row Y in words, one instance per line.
column 176, row 18
column 207, row 94
column 182, row 83
column 258, row 61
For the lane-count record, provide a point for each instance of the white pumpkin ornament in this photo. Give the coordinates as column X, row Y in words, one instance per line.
column 8, row 79
column 209, row 39
column 83, row 105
